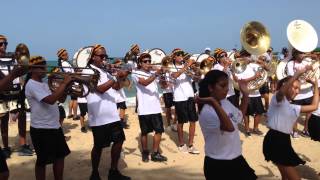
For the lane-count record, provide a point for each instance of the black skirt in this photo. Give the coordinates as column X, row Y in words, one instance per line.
column 277, row 148
column 237, row 168
column 314, row 127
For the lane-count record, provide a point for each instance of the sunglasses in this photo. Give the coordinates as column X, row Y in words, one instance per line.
column 146, row 61
column 3, row 43
column 180, row 54
column 102, row 56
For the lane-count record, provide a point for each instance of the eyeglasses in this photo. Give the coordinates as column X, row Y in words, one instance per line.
column 3, row 43
column 102, row 56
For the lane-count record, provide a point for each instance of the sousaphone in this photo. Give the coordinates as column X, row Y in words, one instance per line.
column 303, row 37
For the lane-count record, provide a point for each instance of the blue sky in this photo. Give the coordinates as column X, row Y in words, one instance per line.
column 45, row 26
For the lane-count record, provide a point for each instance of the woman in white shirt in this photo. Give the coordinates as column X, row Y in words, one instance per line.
column 219, row 120
column 45, row 130
column 281, row 118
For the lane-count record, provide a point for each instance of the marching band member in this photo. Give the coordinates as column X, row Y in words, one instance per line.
column 255, row 106
column 121, row 100
column 305, row 95
column 224, row 65
column 281, row 118
column 219, row 120
column 5, row 83
column 167, row 89
column 11, row 104
column 131, row 57
column 83, row 106
column 314, row 123
column 149, row 108
column 103, row 118
column 63, row 57
column 183, row 97
column 264, row 90
column 45, row 129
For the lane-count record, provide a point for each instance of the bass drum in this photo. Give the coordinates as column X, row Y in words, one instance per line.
column 157, row 55
column 82, row 57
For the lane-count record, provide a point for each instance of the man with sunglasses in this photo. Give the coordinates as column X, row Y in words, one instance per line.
column 8, row 105
column 149, row 108
column 5, row 83
column 224, row 65
column 183, row 97
column 103, row 116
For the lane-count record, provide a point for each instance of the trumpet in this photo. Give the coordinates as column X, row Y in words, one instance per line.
column 82, row 83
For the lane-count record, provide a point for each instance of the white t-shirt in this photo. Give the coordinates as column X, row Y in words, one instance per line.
column 182, row 87
column 230, row 83
column 120, row 95
column 248, row 73
column 220, row 144
column 292, row 67
column 148, row 96
column 282, row 115
column 6, row 72
column 43, row 115
column 102, row 108
column 82, row 100
column 169, row 89
column 67, row 67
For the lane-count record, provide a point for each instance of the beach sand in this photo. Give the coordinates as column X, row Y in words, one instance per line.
column 179, row 165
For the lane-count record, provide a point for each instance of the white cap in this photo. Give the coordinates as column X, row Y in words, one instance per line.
column 207, row 48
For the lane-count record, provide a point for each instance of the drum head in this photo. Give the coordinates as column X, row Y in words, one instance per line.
column 202, row 57
column 157, row 55
column 81, row 57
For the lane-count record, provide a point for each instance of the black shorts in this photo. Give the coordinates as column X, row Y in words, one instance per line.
column 168, row 100
column 186, row 111
column 314, row 127
column 264, row 89
column 105, row 134
column 234, row 100
column 73, row 97
column 49, row 144
column 83, row 109
column 277, row 148
column 238, row 168
column 151, row 122
column 255, row 106
column 3, row 163
column 306, row 101
column 62, row 112
column 121, row 105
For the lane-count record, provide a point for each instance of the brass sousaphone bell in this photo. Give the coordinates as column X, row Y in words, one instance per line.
column 255, row 39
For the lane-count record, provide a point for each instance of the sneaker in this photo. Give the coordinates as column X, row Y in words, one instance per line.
column 95, row 176
column 157, row 157
column 76, row 118
column 295, row 135
column 70, row 116
column 183, row 148
column 25, row 150
column 247, row 133
column 305, row 133
column 116, row 175
column 145, row 156
column 258, row 132
column 174, row 127
column 84, row 130
column 193, row 150
column 7, row 152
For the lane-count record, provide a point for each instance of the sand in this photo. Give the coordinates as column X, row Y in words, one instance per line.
column 179, row 165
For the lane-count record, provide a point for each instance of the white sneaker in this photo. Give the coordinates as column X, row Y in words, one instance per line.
column 174, row 127
column 193, row 150
column 183, row 149
column 295, row 135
